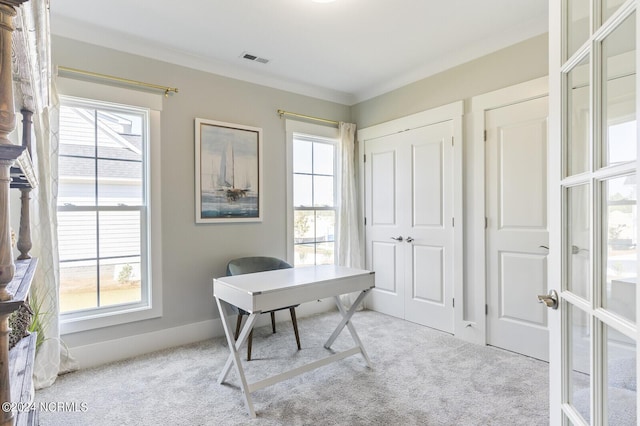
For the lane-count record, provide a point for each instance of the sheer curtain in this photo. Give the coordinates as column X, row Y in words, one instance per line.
column 349, row 241
column 52, row 356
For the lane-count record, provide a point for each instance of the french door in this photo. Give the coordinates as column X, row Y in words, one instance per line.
column 593, row 259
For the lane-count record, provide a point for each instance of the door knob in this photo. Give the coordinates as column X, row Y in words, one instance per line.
column 397, row 238
column 550, row 299
column 409, row 239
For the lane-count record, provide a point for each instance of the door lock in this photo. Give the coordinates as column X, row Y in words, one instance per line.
column 550, row 299
column 409, row 239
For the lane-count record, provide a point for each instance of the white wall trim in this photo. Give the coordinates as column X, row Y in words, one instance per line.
column 109, row 93
column 103, row 352
column 152, row 102
column 419, row 119
column 476, row 331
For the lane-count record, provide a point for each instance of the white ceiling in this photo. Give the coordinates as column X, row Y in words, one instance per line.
column 346, row 51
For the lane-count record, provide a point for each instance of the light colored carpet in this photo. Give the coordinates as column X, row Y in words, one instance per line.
column 420, row 377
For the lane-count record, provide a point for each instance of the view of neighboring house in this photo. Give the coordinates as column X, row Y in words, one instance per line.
column 99, row 165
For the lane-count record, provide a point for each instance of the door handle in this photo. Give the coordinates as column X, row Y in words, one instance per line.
column 550, row 299
column 397, row 238
column 409, row 239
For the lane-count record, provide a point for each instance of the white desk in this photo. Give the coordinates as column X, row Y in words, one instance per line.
column 265, row 291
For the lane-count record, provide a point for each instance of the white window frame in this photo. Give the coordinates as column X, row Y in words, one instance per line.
column 294, row 127
column 73, row 322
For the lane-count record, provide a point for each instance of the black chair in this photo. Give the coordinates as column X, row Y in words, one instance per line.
column 248, row 265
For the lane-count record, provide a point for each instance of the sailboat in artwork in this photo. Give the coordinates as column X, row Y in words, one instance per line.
column 226, row 176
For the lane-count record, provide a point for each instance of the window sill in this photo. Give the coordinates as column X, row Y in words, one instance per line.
column 107, row 319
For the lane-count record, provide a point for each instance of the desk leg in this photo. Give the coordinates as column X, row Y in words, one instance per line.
column 234, row 357
column 346, row 317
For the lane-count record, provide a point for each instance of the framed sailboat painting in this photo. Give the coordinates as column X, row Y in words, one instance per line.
column 228, row 172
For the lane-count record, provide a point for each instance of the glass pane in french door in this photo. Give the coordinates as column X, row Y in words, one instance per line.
column 579, row 360
column 578, row 119
column 609, row 7
column 620, row 257
column 620, row 389
column 578, row 24
column 619, row 94
column 577, row 238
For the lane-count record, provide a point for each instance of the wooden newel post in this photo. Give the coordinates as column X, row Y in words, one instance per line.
column 7, row 125
column 8, row 154
column 24, row 234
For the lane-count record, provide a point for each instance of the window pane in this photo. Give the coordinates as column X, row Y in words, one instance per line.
column 323, row 191
column 102, row 171
column 77, row 235
column 577, row 241
column 323, row 154
column 325, row 254
column 77, row 127
column 305, row 254
column 119, row 233
column 302, row 156
column 578, row 23
column 325, row 225
column 577, row 160
column 119, row 183
column 619, row 88
column 621, row 391
column 313, row 191
column 609, row 7
column 579, row 348
column 620, row 259
column 302, row 190
column 303, row 226
column 77, row 182
column 120, row 281
column 78, row 285
column 119, row 135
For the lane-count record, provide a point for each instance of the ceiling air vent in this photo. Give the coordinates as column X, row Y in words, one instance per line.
column 254, row 58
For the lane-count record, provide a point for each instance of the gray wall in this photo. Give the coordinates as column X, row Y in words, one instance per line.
column 515, row 64
column 193, row 254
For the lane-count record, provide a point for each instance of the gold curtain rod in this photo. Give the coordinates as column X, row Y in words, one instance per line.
column 308, row 117
column 119, row 79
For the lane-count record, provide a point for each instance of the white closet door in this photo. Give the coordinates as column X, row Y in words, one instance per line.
column 409, row 232
column 385, row 227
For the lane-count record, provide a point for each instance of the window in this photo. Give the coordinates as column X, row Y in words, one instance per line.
column 314, row 199
column 103, row 208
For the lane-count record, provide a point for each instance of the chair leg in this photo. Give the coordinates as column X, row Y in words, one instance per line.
column 295, row 325
column 273, row 322
column 249, row 345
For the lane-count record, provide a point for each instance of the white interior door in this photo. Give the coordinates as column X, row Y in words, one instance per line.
column 517, row 234
column 384, row 181
column 593, row 263
column 429, row 221
column 409, row 231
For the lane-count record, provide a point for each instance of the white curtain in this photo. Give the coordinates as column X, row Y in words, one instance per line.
column 52, row 357
column 349, row 242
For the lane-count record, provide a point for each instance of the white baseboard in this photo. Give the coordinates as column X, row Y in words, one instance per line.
column 127, row 347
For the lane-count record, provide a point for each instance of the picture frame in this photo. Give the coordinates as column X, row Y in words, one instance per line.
column 228, row 172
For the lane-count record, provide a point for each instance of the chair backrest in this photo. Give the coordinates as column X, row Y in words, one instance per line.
column 248, row 265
